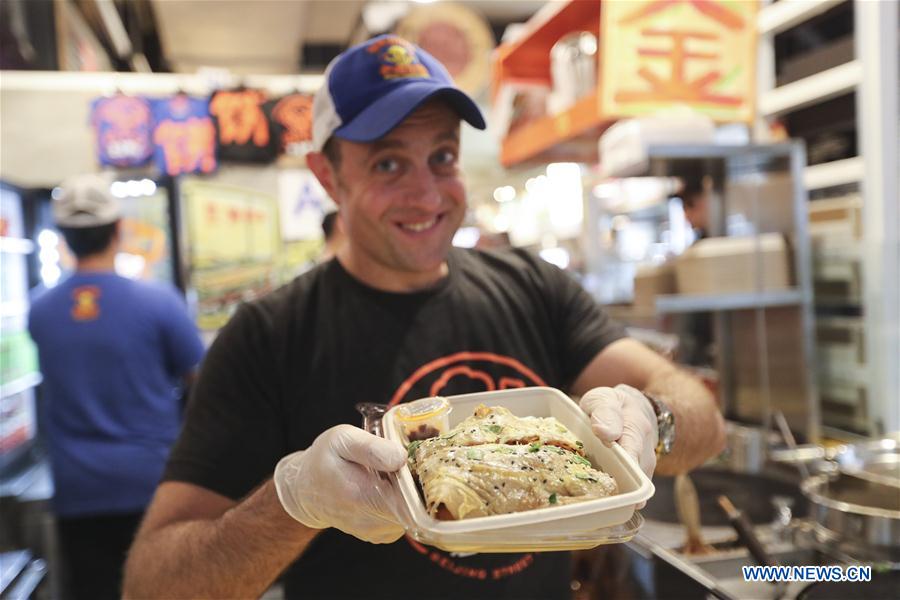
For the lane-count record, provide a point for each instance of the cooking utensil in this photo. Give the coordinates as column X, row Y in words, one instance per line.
column 788, row 436
column 754, row 493
column 745, row 533
column 858, row 517
column 877, row 460
column 857, row 506
column 688, row 507
column 372, row 412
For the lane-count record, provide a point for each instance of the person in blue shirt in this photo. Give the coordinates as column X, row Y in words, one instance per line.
column 114, row 354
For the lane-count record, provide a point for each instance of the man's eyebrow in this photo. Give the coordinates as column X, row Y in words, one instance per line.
column 447, row 136
column 383, row 144
column 387, row 144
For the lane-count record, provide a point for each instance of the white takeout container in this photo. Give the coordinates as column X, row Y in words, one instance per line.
column 565, row 527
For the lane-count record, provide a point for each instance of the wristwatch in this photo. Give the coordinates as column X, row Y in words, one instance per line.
column 665, row 423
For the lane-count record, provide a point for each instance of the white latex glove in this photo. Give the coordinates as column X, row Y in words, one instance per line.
column 623, row 414
column 329, row 485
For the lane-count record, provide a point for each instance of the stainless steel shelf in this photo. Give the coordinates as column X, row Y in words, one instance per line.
column 669, row 160
column 21, row 384
column 686, row 303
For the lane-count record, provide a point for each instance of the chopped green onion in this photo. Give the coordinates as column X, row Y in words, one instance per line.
column 579, row 444
column 582, row 460
column 534, row 446
column 495, row 428
column 411, row 449
column 474, row 454
column 553, row 498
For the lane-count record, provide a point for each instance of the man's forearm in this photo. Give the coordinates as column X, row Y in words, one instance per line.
column 236, row 555
column 699, row 427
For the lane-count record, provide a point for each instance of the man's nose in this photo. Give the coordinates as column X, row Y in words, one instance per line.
column 423, row 189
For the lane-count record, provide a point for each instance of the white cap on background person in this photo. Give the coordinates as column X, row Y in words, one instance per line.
column 86, row 201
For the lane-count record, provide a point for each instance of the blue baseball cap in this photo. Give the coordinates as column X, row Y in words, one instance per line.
column 370, row 88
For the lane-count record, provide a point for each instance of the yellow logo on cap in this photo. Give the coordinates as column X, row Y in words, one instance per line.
column 397, row 55
column 398, row 59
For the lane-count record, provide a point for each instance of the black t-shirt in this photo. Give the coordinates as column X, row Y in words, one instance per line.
column 292, row 364
column 291, row 121
column 243, row 132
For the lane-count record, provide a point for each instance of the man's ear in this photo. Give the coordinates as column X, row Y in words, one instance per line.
column 322, row 168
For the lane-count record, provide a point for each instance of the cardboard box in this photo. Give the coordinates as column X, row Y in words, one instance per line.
column 838, row 219
column 734, row 264
column 652, row 280
column 764, row 199
column 780, row 340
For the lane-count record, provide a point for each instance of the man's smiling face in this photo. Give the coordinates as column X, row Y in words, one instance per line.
column 401, row 200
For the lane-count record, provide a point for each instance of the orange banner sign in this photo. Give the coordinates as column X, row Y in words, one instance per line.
column 658, row 54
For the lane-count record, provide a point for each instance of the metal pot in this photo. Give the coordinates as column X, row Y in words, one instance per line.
column 857, row 506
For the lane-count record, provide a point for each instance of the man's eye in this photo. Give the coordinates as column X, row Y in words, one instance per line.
column 388, row 165
column 444, row 157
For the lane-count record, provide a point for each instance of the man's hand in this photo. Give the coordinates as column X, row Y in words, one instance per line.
column 623, row 414
column 330, row 484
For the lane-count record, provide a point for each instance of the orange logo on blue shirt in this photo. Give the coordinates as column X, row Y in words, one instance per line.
column 86, row 307
column 398, row 58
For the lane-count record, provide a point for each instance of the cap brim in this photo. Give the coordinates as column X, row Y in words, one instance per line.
column 380, row 117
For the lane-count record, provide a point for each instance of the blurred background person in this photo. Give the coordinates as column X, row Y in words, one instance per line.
column 695, row 330
column 333, row 230
column 113, row 353
column 694, row 195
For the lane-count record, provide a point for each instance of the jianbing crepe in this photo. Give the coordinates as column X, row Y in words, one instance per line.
column 496, row 463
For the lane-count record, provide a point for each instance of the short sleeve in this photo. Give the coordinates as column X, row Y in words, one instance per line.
column 234, row 430
column 181, row 341
column 583, row 328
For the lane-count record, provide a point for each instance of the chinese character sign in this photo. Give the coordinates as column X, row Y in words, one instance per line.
column 185, row 138
column 242, row 126
column 662, row 53
column 228, row 224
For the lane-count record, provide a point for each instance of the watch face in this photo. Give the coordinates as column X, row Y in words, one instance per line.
column 667, row 431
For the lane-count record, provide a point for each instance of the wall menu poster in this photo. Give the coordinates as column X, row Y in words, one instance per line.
column 658, row 54
column 145, row 252
column 233, row 242
column 303, row 203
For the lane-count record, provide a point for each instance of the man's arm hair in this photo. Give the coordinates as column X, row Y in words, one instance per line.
column 699, row 426
column 195, row 543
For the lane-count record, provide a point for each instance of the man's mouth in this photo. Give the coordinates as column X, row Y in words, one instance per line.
column 420, row 226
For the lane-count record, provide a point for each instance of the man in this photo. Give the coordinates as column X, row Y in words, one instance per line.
column 397, row 316
column 694, row 194
column 696, row 330
column 112, row 352
column 333, row 232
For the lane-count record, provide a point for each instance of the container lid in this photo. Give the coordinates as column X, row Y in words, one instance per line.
column 421, row 410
